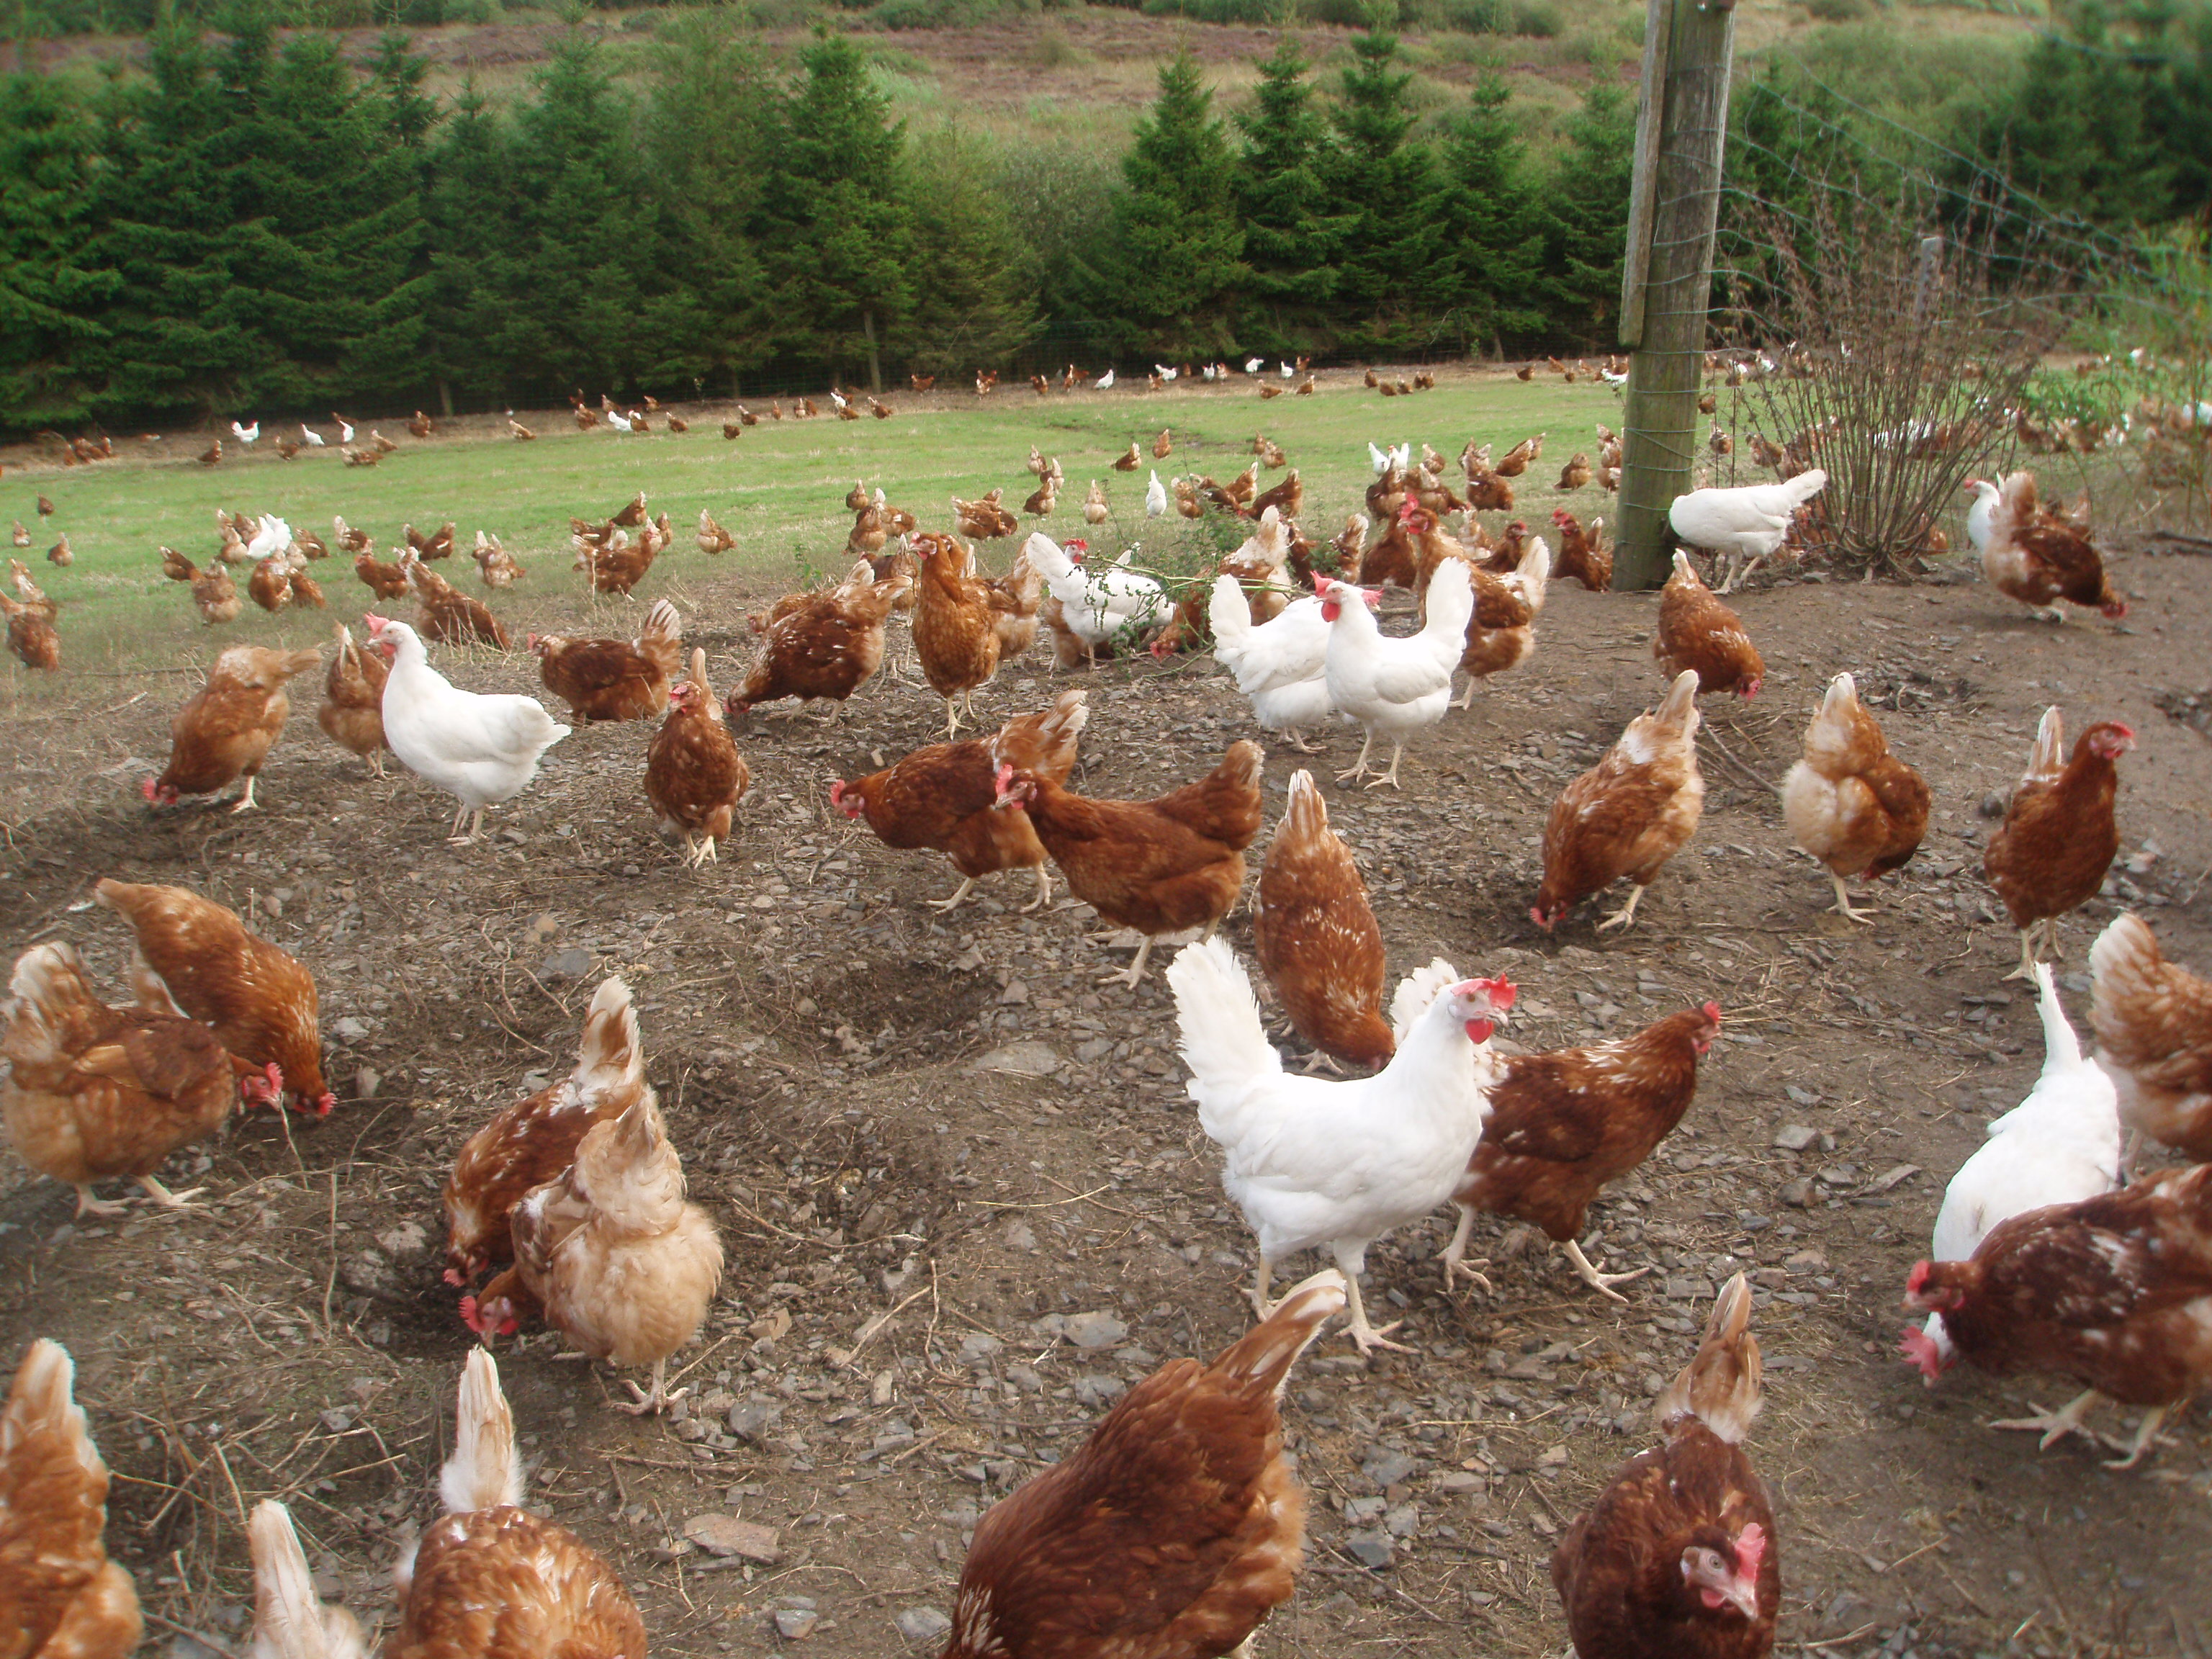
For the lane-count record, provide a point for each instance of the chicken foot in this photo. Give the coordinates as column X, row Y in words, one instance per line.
column 1359, row 767
column 2055, row 1426
column 245, row 802
column 2048, row 928
column 1135, row 974
column 1626, row 915
column 156, row 1193
column 1601, row 1283
column 1844, row 903
column 1044, row 892
column 1365, row 1335
column 1297, row 739
column 1390, row 777
column 960, row 895
column 653, row 1401
column 2145, row 1435
column 1455, row 1255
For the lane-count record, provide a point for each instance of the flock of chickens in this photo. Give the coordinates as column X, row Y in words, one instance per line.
column 1177, row 1527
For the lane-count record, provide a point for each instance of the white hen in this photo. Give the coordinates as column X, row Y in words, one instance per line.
column 480, row 750
column 1313, row 1163
column 1395, row 685
column 1746, row 523
column 1155, row 498
column 1282, row 663
column 270, row 535
column 1097, row 606
column 2060, row 1145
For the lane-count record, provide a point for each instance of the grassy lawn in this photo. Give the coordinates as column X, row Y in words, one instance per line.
column 778, row 488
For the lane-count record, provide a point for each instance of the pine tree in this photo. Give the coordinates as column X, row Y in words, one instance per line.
column 1396, row 276
column 584, row 252
column 1176, row 271
column 979, row 305
column 1496, row 219
column 52, row 282
column 708, row 142
column 180, row 330
column 477, row 236
column 1292, row 242
column 836, row 234
column 1586, row 218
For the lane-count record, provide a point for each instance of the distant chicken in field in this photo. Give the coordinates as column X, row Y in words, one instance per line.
column 824, row 645
column 621, row 1263
column 195, row 957
column 225, row 731
column 384, row 582
column 437, row 544
column 1678, row 1558
column 1172, row 1533
column 215, row 595
column 1518, row 459
column 92, row 1091
column 1746, row 524
column 614, row 679
column 1576, row 474
column 352, row 714
column 956, row 639
column 1315, row 934
column 2059, row 836
column 449, row 615
column 63, row 1598
column 22, row 536
column 530, row 1142
column 1850, row 802
column 349, row 539
column 1627, row 815
column 2153, row 1021
column 1563, row 1124
column 1131, row 459
column 984, row 520
column 694, row 776
column 61, row 553
column 1095, row 508
column 1699, row 634
column 32, row 635
column 495, row 564
column 2035, row 555
column 713, row 538
column 1582, row 556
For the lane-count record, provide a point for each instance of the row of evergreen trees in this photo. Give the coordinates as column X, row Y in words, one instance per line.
column 252, row 225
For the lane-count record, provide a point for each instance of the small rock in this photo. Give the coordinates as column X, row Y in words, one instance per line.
column 1020, row 1236
column 725, row 1534
column 1403, row 1522
column 1388, row 1468
column 403, row 1240
column 349, row 1029
column 752, row 1419
column 1095, row 1330
column 1371, row 1549
column 1028, row 1058
column 795, row 1624
column 920, row 1623
column 1796, row 1137
column 1797, row 1193
column 1802, row 1097
column 1838, row 1175
column 571, row 963
column 365, row 1082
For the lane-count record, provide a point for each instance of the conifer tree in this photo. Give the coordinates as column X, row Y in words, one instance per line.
column 1496, row 221
column 1175, row 272
column 837, row 234
column 53, row 281
column 978, row 306
column 1586, row 217
column 1397, row 273
column 1292, row 241
column 477, row 234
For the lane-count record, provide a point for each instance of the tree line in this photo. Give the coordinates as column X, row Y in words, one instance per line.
column 253, row 223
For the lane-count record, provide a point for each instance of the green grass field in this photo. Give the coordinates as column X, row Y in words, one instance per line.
column 779, row 490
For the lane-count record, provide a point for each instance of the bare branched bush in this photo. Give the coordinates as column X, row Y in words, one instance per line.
column 1892, row 356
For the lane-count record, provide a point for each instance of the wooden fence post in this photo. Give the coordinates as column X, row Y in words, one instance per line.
column 1668, row 270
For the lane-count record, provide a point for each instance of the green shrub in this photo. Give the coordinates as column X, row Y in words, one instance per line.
column 1836, row 11
column 1540, row 18
column 1222, row 11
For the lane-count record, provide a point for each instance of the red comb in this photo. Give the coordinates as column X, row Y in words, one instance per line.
column 1713, row 1012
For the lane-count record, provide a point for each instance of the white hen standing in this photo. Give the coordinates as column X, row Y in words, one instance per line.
column 1099, row 607
column 1395, row 685
column 1313, row 1163
column 1282, row 663
column 1746, row 523
column 481, row 749
column 2060, row 1145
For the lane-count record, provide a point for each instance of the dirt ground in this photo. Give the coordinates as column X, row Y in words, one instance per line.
column 949, row 1121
